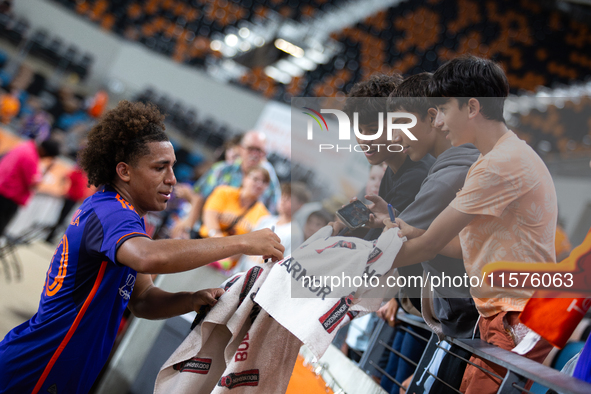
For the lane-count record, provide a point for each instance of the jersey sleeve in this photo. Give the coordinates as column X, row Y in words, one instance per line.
column 117, row 227
column 487, row 191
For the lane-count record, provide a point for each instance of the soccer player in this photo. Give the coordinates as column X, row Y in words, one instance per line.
column 104, row 259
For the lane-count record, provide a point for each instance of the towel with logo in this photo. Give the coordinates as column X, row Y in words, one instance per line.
column 236, row 347
column 314, row 312
column 252, row 336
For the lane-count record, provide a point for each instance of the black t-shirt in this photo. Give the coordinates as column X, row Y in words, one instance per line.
column 400, row 188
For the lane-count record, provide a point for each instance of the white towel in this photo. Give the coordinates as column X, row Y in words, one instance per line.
column 316, row 318
column 237, row 347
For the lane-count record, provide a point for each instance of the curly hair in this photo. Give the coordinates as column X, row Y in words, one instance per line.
column 121, row 136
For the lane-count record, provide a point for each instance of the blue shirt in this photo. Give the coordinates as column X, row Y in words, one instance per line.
column 583, row 367
column 64, row 346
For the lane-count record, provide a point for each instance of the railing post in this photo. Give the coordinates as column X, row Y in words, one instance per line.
column 510, row 379
column 382, row 332
column 414, row 386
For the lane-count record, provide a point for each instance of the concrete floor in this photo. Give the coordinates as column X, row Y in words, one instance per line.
column 19, row 299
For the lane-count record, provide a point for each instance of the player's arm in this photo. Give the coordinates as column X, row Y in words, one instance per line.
column 177, row 255
column 150, row 302
column 446, row 226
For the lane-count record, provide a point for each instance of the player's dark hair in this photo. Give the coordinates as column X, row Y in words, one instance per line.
column 412, row 95
column 121, row 136
column 468, row 77
column 367, row 98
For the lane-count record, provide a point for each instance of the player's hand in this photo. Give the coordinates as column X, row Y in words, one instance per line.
column 207, row 297
column 337, row 226
column 379, row 211
column 388, row 311
column 263, row 243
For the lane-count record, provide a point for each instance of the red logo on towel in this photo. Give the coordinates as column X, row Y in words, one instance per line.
column 331, row 319
column 195, row 365
column 339, row 244
column 251, row 276
column 231, row 282
column 374, row 255
column 246, row 378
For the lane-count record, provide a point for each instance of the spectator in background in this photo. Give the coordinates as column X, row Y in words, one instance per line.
column 66, row 101
column 230, row 210
column 252, row 154
column 491, row 218
column 329, row 205
column 372, row 187
column 17, row 88
column 316, row 220
column 19, row 173
column 290, row 233
column 36, row 126
column 5, row 7
column 376, row 173
column 299, row 196
column 74, row 113
column 9, row 107
column 403, row 177
column 453, row 312
column 232, row 149
column 77, row 192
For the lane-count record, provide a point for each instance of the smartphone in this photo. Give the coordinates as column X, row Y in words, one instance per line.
column 354, row 215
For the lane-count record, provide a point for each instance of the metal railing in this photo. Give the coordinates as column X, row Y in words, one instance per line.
column 519, row 369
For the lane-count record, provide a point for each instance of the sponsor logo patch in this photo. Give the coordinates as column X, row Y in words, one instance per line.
column 245, row 378
column 251, row 276
column 231, row 282
column 256, row 308
column 194, row 365
column 331, row 319
column 375, row 254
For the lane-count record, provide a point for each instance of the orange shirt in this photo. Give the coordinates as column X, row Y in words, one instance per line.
column 225, row 200
column 512, row 194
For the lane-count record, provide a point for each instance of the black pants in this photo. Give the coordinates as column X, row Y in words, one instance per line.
column 8, row 209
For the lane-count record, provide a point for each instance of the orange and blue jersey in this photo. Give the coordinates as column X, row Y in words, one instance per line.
column 64, row 346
